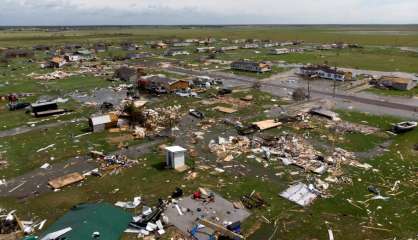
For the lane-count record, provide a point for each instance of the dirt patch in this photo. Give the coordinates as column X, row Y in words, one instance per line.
column 120, row 139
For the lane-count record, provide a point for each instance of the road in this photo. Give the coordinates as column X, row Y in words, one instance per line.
column 353, row 97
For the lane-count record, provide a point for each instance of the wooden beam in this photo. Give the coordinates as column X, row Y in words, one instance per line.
column 220, row 229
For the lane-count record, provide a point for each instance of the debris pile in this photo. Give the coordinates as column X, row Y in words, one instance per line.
column 113, row 163
column 52, row 76
column 227, row 149
column 159, row 118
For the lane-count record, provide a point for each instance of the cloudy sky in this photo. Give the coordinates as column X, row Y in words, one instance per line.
column 144, row 12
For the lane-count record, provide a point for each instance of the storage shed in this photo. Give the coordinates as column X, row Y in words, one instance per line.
column 100, row 123
column 175, row 157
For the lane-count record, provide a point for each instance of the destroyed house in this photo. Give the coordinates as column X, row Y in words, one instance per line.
column 326, row 72
column 175, row 52
column 128, row 46
column 56, row 62
column 160, row 84
column 258, row 67
column 398, row 83
column 126, row 74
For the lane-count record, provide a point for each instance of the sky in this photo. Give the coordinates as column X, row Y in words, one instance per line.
column 198, row 12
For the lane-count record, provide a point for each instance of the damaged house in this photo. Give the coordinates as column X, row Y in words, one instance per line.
column 397, row 83
column 325, row 72
column 126, row 74
column 159, row 84
column 128, row 46
column 258, row 67
column 55, row 62
column 175, row 52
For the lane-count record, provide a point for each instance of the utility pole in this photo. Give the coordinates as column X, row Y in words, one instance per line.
column 335, row 80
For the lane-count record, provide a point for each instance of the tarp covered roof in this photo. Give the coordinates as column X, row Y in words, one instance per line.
column 85, row 219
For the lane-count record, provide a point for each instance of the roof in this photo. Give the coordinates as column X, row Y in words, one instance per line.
column 42, row 104
column 57, row 59
column 85, row 219
column 175, row 149
column 398, row 80
column 324, row 68
column 101, row 120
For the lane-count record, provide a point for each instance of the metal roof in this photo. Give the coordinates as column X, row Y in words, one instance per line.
column 175, row 149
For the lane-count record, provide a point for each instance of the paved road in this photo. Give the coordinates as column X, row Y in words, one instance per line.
column 349, row 97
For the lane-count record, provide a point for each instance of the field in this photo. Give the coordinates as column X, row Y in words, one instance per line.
column 347, row 208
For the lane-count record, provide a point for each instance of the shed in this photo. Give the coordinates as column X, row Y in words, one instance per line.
column 85, row 219
column 175, row 157
column 100, row 123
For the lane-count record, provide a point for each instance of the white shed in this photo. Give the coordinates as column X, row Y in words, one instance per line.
column 175, row 157
column 98, row 124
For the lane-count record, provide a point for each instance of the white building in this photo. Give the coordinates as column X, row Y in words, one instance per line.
column 175, row 157
column 99, row 123
column 280, row 51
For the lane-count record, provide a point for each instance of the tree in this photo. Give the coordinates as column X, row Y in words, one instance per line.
column 299, row 94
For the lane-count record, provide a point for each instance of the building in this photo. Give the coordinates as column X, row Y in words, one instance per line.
column 175, row 52
column 258, row 67
column 326, row 72
column 250, row 46
column 181, row 44
column 279, row 51
column 205, row 49
column 229, row 48
column 398, row 83
column 100, row 123
column 175, row 157
column 159, row 84
column 56, row 62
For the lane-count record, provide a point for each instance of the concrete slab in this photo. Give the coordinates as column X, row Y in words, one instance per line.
column 220, row 212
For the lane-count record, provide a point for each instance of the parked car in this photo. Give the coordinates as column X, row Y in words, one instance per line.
column 196, row 114
column 225, row 91
column 186, row 93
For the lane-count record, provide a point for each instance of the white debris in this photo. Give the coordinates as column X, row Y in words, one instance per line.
column 135, row 203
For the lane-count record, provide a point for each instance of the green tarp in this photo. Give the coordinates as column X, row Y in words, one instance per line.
column 85, row 219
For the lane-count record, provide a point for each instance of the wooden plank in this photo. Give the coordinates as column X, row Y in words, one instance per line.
column 221, row 229
column 225, row 109
column 66, row 180
column 267, row 124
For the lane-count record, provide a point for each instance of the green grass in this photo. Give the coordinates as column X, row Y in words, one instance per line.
column 20, row 151
column 357, row 142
